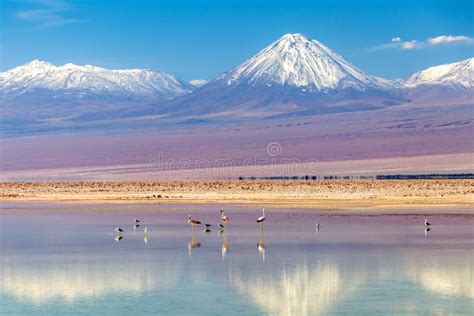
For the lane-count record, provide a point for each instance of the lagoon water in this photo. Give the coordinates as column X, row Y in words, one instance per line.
column 61, row 261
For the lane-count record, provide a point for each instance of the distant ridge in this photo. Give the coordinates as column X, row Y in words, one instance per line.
column 447, row 83
column 41, row 77
column 459, row 74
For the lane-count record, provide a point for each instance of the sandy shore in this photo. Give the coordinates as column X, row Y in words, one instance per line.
column 323, row 194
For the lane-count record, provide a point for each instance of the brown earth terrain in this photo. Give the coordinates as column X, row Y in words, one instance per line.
column 404, row 139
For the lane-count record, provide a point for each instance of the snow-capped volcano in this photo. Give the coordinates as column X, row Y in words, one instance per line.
column 297, row 61
column 79, row 81
column 293, row 75
column 460, row 74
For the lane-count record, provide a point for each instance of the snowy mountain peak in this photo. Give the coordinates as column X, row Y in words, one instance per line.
column 135, row 83
column 459, row 74
column 297, row 61
column 295, row 37
column 38, row 63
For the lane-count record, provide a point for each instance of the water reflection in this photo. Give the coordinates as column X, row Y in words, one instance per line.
column 40, row 279
column 446, row 276
column 261, row 244
column 193, row 243
column 225, row 245
column 118, row 234
column 303, row 290
column 337, row 272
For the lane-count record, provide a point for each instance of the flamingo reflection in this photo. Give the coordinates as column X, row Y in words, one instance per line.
column 225, row 245
column 207, row 228
column 193, row 243
column 145, row 235
column 221, row 228
column 118, row 234
column 261, row 244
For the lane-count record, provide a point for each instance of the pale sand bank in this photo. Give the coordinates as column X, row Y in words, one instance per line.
column 337, row 194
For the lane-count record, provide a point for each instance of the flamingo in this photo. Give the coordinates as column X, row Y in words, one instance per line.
column 427, row 223
column 193, row 222
column 136, row 221
column 261, row 219
column 225, row 219
column 118, row 230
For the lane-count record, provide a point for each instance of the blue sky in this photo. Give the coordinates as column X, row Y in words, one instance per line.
column 201, row 39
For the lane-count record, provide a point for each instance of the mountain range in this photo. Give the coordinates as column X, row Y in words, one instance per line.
column 83, row 81
column 456, row 75
column 292, row 76
column 42, row 92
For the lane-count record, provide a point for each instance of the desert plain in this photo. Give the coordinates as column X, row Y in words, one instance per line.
column 321, row 194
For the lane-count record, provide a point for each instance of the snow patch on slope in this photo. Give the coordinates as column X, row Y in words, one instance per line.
column 460, row 74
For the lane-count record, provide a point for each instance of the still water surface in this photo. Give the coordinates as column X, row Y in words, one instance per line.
column 61, row 262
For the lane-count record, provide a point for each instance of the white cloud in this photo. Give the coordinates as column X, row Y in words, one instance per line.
column 443, row 39
column 397, row 43
column 409, row 45
column 46, row 13
column 198, row 82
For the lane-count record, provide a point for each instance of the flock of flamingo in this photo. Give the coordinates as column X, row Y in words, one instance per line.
column 225, row 220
